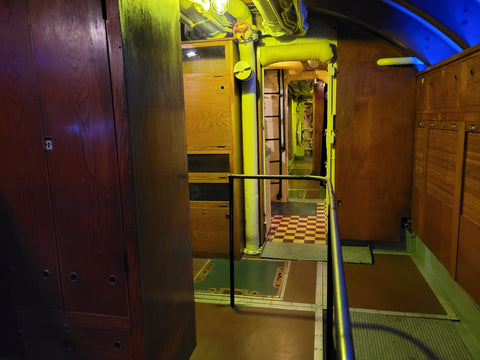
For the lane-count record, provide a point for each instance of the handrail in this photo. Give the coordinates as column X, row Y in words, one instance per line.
column 337, row 305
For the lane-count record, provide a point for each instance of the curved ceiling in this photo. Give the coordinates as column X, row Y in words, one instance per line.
column 429, row 30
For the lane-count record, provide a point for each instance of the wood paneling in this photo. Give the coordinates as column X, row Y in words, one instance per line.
column 72, row 88
column 212, row 229
column 419, row 161
column 208, row 112
column 468, row 263
column 213, row 126
column 153, row 72
column 442, row 190
column 124, row 153
column 438, row 224
column 423, row 93
column 441, row 167
column 374, row 139
column 50, row 335
column 27, row 240
column 471, row 182
column 448, row 220
column 471, row 75
column 419, row 156
column 76, row 100
column 445, row 87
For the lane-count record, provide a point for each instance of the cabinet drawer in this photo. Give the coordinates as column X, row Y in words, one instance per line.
column 210, row 227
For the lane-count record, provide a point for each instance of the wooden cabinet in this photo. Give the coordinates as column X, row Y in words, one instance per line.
column 446, row 190
column 85, row 248
column 213, row 132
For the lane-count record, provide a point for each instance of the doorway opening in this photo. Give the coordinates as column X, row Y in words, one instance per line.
column 295, row 120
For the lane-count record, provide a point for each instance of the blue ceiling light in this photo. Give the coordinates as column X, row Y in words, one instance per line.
column 461, row 16
column 425, row 23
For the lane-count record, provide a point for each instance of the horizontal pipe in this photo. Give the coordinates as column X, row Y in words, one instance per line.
column 319, row 50
column 396, row 61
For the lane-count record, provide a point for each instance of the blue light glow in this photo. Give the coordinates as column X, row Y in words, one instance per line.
column 425, row 23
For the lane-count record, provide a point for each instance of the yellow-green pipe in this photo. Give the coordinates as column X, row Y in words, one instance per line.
column 396, row 61
column 240, row 11
column 318, row 50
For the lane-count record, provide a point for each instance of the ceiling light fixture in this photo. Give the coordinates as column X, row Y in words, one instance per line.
column 219, row 7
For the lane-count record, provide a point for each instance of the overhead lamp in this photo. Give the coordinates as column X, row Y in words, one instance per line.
column 219, row 7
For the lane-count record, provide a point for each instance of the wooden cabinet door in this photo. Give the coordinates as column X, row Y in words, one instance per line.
column 27, row 242
column 208, row 113
column 210, row 227
column 69, row 42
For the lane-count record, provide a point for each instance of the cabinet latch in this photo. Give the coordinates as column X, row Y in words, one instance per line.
column 48, row 143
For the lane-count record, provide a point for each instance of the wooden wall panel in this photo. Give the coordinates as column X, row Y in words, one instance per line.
column 124, row 151
column 419, row 156
column 447, row 221
column 153, row 72
column 468, row 263
column 443, row 176
column 423, row 93
column 445, row 87
column 471, row 75
column 441, row 167
column 438, row 235
column 210, row 228
column 419, row 163
column 471, row 187
column 73, row 75
column 468, row 266
column 374, row 139
column 27, row 239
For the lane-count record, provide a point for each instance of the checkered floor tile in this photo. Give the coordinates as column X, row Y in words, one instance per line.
column 299, row 229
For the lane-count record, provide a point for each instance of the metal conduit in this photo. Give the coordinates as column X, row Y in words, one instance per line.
column 340, row 342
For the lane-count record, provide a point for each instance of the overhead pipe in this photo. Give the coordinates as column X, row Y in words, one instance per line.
column 241, row 12
column 398, row 61
column 293, row 67
column 321, row 50
column 402, row 61
column 273, row 23
column 204, row 24
column 277, row 20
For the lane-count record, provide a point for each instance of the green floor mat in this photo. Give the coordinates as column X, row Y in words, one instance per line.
column 252, row 277
column 383, row 337
column 315, row 252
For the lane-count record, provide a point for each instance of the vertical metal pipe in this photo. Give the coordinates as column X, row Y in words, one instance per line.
column 240, row 11
column 232, row 256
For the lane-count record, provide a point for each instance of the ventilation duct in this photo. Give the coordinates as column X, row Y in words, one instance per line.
column 321, row 50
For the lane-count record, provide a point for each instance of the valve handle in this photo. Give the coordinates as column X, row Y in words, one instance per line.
column 242, row 30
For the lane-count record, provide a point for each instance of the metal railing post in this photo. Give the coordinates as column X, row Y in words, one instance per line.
column 232, row 255
column 340, row 344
